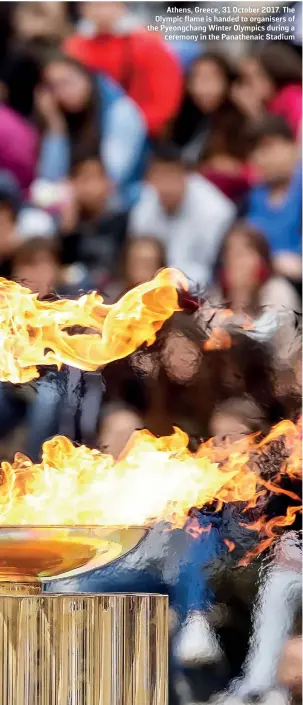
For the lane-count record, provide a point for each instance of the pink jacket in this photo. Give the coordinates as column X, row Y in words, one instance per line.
column 18, row 146
column 288, row 104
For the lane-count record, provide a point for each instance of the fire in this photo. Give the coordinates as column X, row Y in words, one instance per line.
column 154, row 479
column 35, row 332
column 218, row 340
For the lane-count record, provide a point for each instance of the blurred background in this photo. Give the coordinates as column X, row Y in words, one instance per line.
column 121, row 153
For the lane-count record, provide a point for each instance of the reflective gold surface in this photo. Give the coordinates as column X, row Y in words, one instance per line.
column 83, row 650
column 30, row 553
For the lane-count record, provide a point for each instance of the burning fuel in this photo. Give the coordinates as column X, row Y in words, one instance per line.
column 155, row 479
column 34, row 332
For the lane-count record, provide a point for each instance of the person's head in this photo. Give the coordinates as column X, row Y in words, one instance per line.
column 117, row 425
column 237, row 417
column 102, row 16
column 69, row 82
column 8, row 230
column 40, row 20
column 275, row 66
column 10, row 202
column 273, row 150
column 91, row 184
column 208, row 82
column 244, row 263
column 36, row 265
column 143, row 257
column 168, row 176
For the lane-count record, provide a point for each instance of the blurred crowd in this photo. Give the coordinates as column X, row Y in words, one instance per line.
column 120, row 154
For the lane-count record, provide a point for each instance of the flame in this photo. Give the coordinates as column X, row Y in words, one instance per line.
column 34, row 332
column 154, row 479
column 218, row 340
column 230, row 545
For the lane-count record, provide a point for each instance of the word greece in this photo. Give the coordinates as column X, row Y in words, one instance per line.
column 213, row 10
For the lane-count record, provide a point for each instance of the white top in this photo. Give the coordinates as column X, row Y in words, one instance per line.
column 192, row 235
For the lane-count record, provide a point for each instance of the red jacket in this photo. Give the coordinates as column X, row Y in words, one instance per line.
column 143, row 66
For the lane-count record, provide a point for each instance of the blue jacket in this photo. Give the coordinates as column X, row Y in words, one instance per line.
column 280, row 223
column 122, row 147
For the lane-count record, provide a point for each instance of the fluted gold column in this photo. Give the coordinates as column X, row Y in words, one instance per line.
column 83, row 649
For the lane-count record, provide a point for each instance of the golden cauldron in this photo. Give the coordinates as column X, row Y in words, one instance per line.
column 79, row 649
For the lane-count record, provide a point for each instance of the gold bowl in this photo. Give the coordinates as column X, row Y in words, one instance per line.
column 31, row 554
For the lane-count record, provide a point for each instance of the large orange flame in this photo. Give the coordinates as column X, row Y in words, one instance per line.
column 154, row 479
column 34, row 332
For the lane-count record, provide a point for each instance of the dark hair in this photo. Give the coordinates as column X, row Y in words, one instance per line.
column 244, row 409
column 165, row 153
column 246, row 368
column 281, row 63
column 27, row 252
column 7, row 204
column 225, row 125
column 21, row 74
column 257, row 242
column 84, row 126
column 271, row 126
column 131, row 242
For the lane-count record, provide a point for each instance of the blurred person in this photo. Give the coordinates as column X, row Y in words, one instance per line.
column 10, row 201
column 290, row 668
column 275, row 203
column 209, row 127
column 37, row 408
column 40, row 20
column 19, row 221
column 144, row 256
column 92, row 231
column 236, row 417
column 84, row 112
column 18, row 146
column 36, row 265
column 141, row 258
column 271, row 80
column 112, row 40
column 118, row 423
column 186, row 212
column 245, row 277
column 247, row 283
column 279, row 593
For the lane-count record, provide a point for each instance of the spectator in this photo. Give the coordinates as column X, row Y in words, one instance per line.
column 92, row 232
column 10, row 199
column 208, row 123
column 36, row 265
column 89, row 114
column 40, row 20
column 118, row 424
column 245, row 277
column 271, row 80
column 236, row 417
column 114, row 42
column 18, row 146
column 290, row 667
column 275, row 203
column 19, row 221
column 247, row 283
column 142, row 258
column 187, row 213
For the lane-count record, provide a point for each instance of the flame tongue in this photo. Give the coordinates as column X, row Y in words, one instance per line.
column 30, row 327
column 157, row 478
